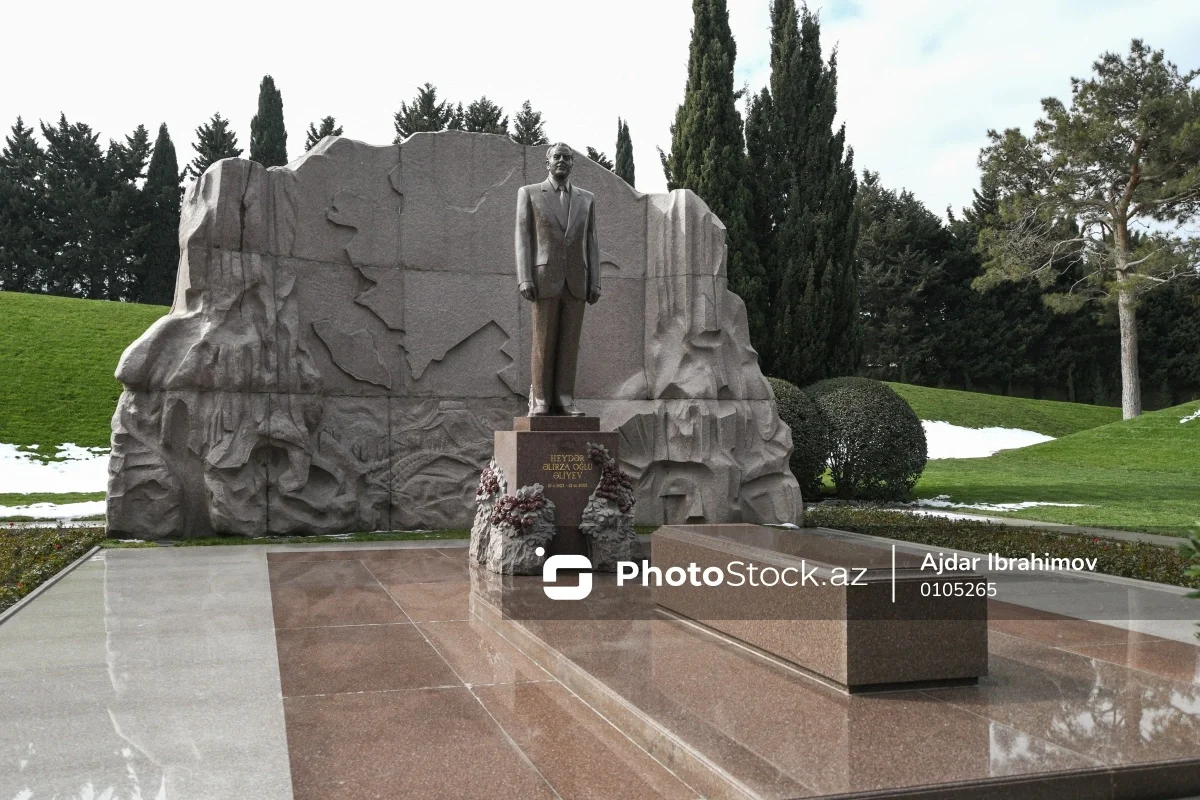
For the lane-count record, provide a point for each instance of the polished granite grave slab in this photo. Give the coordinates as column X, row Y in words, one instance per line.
column 156, row 673
column 858, row 615
column 1104, row 713
column 423, row 700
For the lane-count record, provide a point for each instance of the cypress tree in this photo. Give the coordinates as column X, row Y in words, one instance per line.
column 600, row 158
column 268, row 136
column 624, row 159
column 806, row 174
column 214, row 141
column 708, row 152
column 160, row 251
column 23, row 257
column 426, row 114
column 329, row 127
column 527, row 127
column 484, row 116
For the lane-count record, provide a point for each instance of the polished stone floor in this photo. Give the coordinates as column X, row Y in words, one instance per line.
column 378, row 671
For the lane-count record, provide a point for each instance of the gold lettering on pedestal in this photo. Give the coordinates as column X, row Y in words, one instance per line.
column 560, row 469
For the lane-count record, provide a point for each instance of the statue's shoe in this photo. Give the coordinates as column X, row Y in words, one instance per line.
column 569, row 410
column 539, row 410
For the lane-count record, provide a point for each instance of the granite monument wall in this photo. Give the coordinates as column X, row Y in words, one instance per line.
column 346, row 336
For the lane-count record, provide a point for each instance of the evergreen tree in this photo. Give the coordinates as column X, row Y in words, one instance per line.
column 24, row 259
column 457, row 119
column 600, row 158
column 484, row 116
column 804, row 184
column 268, row 136
column 329, row 127
column 128, row 212
column 1072, row 195
column 708, row 153
column 92, row 220
column 527, row 127
column 214, row 141
column 161, row 194
column 425, row 113
column 624, row 159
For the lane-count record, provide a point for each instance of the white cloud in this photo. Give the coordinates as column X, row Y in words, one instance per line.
column 920, row 81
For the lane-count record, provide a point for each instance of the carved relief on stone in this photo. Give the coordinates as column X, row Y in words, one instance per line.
column 346, row 337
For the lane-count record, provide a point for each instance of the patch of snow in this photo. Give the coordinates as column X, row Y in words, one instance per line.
column 54, row 510
column 1194, row 415
column 944, row 501
column 954, row 441
column 81, row 469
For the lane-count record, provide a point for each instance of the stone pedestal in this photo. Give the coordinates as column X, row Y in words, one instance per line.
column 553, row 452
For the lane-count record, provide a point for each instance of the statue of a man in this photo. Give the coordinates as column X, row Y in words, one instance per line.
column 558, row 269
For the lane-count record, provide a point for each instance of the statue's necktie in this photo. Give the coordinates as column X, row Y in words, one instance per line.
column 562, row 199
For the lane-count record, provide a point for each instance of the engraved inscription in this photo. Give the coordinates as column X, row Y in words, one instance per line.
column 566, row 471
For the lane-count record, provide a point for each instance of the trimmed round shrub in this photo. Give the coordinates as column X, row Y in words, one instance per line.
column 810, row 435
column 878, row 447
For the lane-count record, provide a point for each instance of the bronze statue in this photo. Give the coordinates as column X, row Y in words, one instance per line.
column 558, row 269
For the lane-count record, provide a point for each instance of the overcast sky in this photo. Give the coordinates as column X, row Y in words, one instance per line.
column 920, row 81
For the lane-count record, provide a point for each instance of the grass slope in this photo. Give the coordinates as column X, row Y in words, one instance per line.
column 1142, row 474
column 59, row 355
column 978, row 410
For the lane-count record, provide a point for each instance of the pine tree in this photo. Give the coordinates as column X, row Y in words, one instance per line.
column 161, row 194
column 708, row 152
column 214, row 141
column 425, row 114
column 527, row 127
column 1122, row 155
column 805, row 174
column 329, row 127
column 484, row 116
column 624, row 158
column 600, row 158
column 268, row 136
column 457, row 119
column 23, row 256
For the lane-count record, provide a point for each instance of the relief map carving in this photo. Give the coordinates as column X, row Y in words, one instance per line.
column 346, row 337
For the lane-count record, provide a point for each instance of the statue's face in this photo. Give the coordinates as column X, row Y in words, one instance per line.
column 559, row 162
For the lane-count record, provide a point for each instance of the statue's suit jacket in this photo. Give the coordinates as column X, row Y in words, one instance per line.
column 553, row 252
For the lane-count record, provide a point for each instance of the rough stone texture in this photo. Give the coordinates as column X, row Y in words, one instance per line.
column 608, row 517
column 501, row 547
column 346, row 337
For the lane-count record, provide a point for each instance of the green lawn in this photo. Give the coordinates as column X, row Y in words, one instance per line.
column 1141, row 475
column 59, row 355
column 978, row 410
column 15, row 499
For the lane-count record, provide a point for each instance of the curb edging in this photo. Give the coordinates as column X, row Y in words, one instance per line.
column 62, row 573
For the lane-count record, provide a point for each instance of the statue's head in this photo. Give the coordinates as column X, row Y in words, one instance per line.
column 559, row 160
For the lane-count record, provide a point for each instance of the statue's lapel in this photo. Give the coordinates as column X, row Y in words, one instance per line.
column 576, row 207
column 550, row 198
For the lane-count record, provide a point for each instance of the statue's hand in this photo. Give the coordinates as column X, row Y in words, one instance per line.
column 593, row 295
column 528, row 291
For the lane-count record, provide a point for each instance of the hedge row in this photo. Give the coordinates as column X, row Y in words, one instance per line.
column 1141, row 560
column 31, row 556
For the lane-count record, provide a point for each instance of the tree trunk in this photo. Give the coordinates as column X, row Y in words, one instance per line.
column 1131, row 390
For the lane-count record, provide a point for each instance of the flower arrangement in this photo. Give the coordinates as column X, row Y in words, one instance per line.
column 521, row 510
